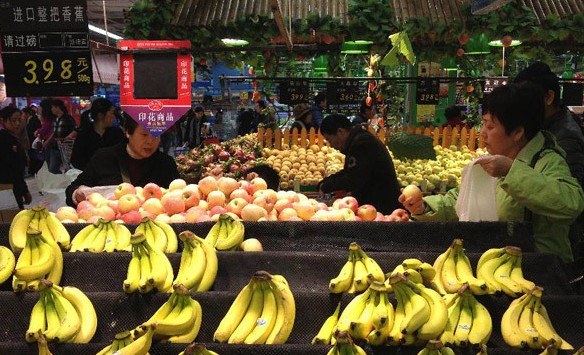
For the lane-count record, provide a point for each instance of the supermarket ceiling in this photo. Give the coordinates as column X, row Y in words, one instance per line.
column 204, row 12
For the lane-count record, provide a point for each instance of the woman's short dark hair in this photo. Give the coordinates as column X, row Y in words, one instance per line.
column 28, row 110
column 46, row 105
column 100, row 105
column 541, row 74
column 266, row 172
column 60, row 104
column 7, row 112
column 129, row 124
column 517, row 105
column 331, row 123
column 199, row 109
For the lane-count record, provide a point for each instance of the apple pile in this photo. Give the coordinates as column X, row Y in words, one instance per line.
column 309, row 165
column 228, row 158
column 211, row 197
column 436, row 175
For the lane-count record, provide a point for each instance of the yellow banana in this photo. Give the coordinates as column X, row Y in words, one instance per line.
column 123, row 237
column 486, row 271
column 344, row 280
column 544, row 327
column 37, row 322
column 503, row 276
column 194, row 271
column 86, row 312
column 163, row 311
column 211, row 266
column 182, row 322
column 171, row 239
column 233, row 235
column 158, row 235
column 360, row 279
column 383, row 325
column 190, row 336
column 413, row 276
column 286, row 310
column 482, row 324
column 395, row 334
column 235, row 314
column 7, row 263
column 214, row 234
column 265, row 323
column 427, row 271
column 419, row 314
column 492, row 253
column 70, row 320
column 158, row 267
column 464, row 272
column 373, row 268
column 526, row 326
column 326, row 331
column 362, row 326
column 140, row 346
column 465, row 322
column 454, row 311
column 18, row 227
column 411, row 263
column 450, row 280
column 436, row 282
column 253, row 312
column 40, row 267
column 111, row 237
column 517, row 275
column 353, row 310
column 57, row 230
column 510, row 322
column 133, row 276
column 88, row 232
column 53, row 321
column 438, row 312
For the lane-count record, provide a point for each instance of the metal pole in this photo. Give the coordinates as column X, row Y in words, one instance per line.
column 105, row 22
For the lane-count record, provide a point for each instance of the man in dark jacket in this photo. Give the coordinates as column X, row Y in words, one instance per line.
column 368, row 174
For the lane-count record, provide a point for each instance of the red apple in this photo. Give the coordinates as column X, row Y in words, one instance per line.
column 367, row 212
column 86, row 212
column 208, row 184
column 193, row 213
column 124, row 188
column 227, row 185
column 128, row 203
column 177, row 218
column 412, row 191
column 203, row 218
column 216, row 198
column 173, row 203
column 131, row 217
column 153, row 206
column 247, row 186
column 305, row 209
column 104, row 212
column 191, row 198
column 263, row 202
column 380, row 217
column 251, row 244
column 217, row 210
column 66, row 212
column 258, row 184
column 204, row 205
column 146, row 214
column 177, row 184
column 286, row 214
column 281, row 204
column 163, row 217
column 152, row 190
column 241, row 193
column 97, row 199
column 251, row 212
column 400, row 215
column 236, row 205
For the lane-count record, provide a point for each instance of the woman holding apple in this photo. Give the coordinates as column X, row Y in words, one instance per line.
column 137, row 161
column 534, row 180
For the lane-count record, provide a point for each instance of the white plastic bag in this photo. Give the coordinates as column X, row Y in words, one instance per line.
column 477, row 197
column 106, row 191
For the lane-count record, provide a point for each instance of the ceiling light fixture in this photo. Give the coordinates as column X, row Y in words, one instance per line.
column 105, row 33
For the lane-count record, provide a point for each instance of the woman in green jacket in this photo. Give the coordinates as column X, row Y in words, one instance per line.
column 534, row 179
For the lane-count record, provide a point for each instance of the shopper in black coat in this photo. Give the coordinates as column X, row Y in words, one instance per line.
column 368, row 174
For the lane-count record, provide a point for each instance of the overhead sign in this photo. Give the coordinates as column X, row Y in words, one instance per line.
column 427, row 91
column 492, row 83
column 45, row 48
column 294, row 91
column 343, row 92
column 155, row 82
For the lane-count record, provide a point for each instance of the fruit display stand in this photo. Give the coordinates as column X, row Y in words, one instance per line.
column 308, row 254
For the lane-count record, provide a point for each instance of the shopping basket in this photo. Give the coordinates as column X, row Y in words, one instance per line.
column 65, row 148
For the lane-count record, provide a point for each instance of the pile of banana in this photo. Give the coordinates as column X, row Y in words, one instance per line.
column 358, row 272
column 149, row 268
column 453, row 269
column 501, row 269
column 469, row 322
column 197, row 349
column 435, row 347
column 526, row 323
column 226, row 234
column 414, row 270
column 131, row 343
column 159, row 234
column 103, row 235
column 178, row 320
column 121, row 340
column 7, row 263
column 62, row 314
column 420, row 315
column 198, row 263
column 41, row 258
column 37, row 218
column 344, row 345
column 263, row 312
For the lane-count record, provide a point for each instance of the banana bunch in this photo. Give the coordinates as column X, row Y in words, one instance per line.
column 139, row 346
column 40, row 258
column 38, row 218
column 453, row 269
column 178, row 320
column 469, row 322
column 325, row 333
column 198, row 263
column 121, row 340
column 226, row 234
column 420, row 314
column 501, row 269
column 197, row 349
column 526, row 323
column 414, row 270
column 7, row 263
column 107, row 236
column 369, row 316
column 149, row 268
column 43, row 345
column 263, row 313
column 345, row 345
column 62, row 314
column 435, row 347
column 159, row 234
column 358, row 272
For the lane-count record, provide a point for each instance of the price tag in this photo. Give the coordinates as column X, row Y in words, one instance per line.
column 343, row 92
column 66, row 73
column 491, row 83
column 427, row 91
column 294, row 91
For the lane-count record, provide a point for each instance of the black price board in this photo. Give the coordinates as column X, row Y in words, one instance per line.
column 294, row 91
column 64, row 73
column 428, row 91
column 491, row 83
column 343, row 92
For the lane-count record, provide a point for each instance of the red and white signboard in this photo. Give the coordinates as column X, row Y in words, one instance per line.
column 155, row 82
